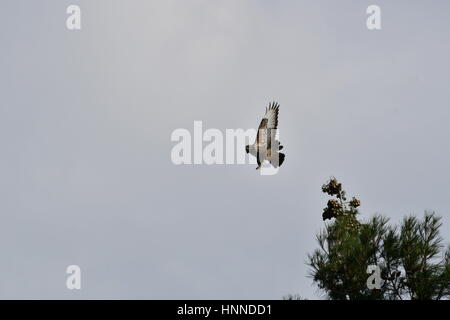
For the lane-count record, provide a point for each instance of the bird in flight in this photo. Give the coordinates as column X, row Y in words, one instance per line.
column 266, row 147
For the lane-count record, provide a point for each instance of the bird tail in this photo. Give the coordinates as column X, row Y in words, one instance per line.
column 282, row 156
column 277, row 159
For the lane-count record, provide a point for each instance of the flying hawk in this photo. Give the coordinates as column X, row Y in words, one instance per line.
column 266, row 147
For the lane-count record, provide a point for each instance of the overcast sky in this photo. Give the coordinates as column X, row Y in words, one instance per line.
column 86, row 116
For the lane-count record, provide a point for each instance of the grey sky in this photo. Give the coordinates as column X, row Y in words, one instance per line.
column 86, row 118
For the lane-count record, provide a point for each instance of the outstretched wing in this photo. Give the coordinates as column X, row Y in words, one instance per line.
column 271, row 116
column 269, row 121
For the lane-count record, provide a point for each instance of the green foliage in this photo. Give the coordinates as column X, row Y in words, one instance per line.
column 411, row 257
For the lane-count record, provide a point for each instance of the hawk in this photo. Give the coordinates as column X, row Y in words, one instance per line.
column 266, row 147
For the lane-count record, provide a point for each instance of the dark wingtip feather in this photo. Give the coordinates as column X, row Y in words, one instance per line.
column 273, row 106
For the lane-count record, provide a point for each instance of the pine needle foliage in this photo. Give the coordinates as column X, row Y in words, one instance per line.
column 413, row 260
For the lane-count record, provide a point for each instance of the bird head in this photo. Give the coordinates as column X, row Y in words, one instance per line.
column 247, row 148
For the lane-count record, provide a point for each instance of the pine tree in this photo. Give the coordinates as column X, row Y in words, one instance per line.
column 411, row 257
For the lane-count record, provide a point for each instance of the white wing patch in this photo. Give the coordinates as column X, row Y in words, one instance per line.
column 272, row 115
